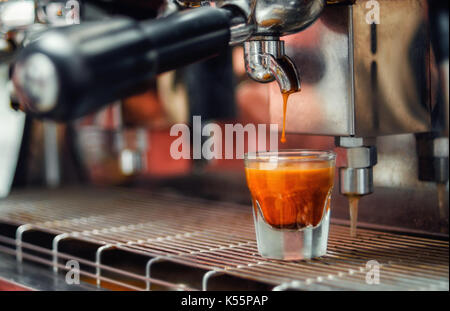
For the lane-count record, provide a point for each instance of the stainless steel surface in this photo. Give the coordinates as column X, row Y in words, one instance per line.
column 395, row 79
column 432, row 151
column 192, row 3
column 240, row 30
column 350, row 142
column 358, row 78
column 35, row 277
column 52, row 155
column 217, row 238
column 279, row 17
column 265, row 61
column 355, row 181
column 356, row 158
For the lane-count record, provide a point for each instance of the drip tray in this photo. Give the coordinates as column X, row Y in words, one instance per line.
column 136, row 240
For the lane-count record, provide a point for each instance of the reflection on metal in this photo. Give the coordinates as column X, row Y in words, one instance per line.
column 265, row 61
column 16, row 14
column 360, row 79
column 19, row 239
column 208, row 275
column 98, row 258
column 279, row 17
column 356, row 181
column 148, row 270
column 356, row 158
column 214, row 236
column 51, row 154
column 38, row 82
column 55, row 243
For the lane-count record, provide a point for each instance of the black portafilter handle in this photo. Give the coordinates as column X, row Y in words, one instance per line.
column 72, row 71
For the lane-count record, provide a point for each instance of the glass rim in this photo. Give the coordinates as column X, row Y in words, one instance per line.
column 302, row 155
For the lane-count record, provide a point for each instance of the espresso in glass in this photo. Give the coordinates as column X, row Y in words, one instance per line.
column 291, row 193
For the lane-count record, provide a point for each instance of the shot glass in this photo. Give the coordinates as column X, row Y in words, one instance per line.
column 291, row 192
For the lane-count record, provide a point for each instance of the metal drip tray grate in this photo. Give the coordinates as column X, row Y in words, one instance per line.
column 208, row 243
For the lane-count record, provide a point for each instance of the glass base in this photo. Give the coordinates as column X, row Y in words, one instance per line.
column 285, row 244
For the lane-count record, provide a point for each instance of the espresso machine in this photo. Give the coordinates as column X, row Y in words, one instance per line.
column 369, row 77
column 358, row 96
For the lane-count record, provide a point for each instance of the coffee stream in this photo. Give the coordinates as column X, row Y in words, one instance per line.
column 353, row 201
column 285, row 101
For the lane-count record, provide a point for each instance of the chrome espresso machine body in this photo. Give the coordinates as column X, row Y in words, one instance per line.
column 370, row 78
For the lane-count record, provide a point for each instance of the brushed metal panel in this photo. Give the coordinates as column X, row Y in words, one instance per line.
column 361, row 79
column 321, row 54
column 391, row 69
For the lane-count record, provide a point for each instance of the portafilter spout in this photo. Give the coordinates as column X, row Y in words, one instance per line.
column 265, row 61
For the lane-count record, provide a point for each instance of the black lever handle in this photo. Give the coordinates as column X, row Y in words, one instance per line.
column 72, row 71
